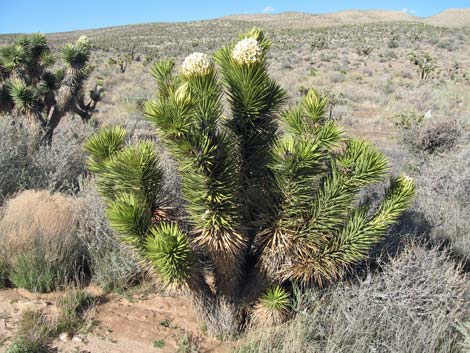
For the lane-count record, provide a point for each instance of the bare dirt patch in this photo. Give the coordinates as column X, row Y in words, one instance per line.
column 140, row 324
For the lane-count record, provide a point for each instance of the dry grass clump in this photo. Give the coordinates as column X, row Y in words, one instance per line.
column 414, row 305
column 38, row 234
column 37, row 328
column 33, row 334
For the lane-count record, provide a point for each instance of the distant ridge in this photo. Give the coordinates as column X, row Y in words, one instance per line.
column 286, row 20
column 448, row 18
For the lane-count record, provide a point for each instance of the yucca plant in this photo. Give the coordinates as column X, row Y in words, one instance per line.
column 29, row 86
column 271, row 196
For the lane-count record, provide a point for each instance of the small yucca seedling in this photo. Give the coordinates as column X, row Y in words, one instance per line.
column 273, row 307
column 271, row 196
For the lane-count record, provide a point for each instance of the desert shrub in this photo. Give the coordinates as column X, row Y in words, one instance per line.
column 336, row 77
column 25, row 166
column 447, row 44
column 408, row 120
column 38, row 233
column 431, row 137
column 443, row 199
column 319, row 42
column 38, row 328
column 33, row 335
column 73, row 305
column 393, row 42
column 413, row 306
column 33, row 271
column 189, row 343
column 363, row 49
column 464, row 329
column 113, row 265
column 270, row 196
column 3, row 270
column 26, row 344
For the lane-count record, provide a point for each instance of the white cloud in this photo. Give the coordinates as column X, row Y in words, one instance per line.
column 268, row 9
column 407, row 10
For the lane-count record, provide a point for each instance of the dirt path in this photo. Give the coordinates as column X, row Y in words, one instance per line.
column 151, row 324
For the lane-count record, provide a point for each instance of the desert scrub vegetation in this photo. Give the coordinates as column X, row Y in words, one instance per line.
column 414, row 303
column 33, row 333
column 29, row 86
column 443, row 200
column 425, row 64
column 38, row 328
column 113, row 265
column 73, row 306
column 39, row 242
column 434, row 137
column 24, row 166
column 270, row 194
column 438, row 159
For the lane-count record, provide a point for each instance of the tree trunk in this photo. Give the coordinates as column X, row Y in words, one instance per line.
column 223, row 319
column 221, row 315
column 55, row 115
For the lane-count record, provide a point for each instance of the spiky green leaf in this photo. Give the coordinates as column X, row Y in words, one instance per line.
column 169, row 251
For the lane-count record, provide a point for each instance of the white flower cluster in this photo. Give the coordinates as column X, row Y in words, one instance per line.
column 247, row 51
column 407, row 179
column 196, row 64
column 83, row 42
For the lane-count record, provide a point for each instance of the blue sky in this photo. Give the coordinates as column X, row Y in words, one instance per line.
column 65, row 15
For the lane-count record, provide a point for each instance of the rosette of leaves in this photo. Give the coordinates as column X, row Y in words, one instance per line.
column 271, row 194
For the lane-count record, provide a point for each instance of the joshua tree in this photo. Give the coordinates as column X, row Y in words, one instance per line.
column 425, row 64
column 270, row 196
column 124, row 59
column 29, row 86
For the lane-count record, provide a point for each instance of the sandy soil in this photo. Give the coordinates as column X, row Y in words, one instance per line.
column 127, row 325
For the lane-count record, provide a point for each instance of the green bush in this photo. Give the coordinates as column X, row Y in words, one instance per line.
column 34, row 272
column 24, row 344
column 33, row 335
column 73, row 305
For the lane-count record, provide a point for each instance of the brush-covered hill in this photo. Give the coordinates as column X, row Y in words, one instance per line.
column 448, row 18
column 305, row 20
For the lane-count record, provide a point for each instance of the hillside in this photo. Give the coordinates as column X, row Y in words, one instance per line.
column 450, row 18
column 305, row 20
column 447, row 18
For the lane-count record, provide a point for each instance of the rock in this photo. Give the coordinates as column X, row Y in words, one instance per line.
column 64, row 337
column 77, row 339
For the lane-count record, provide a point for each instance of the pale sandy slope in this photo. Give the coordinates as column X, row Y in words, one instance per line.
column 448, row 18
